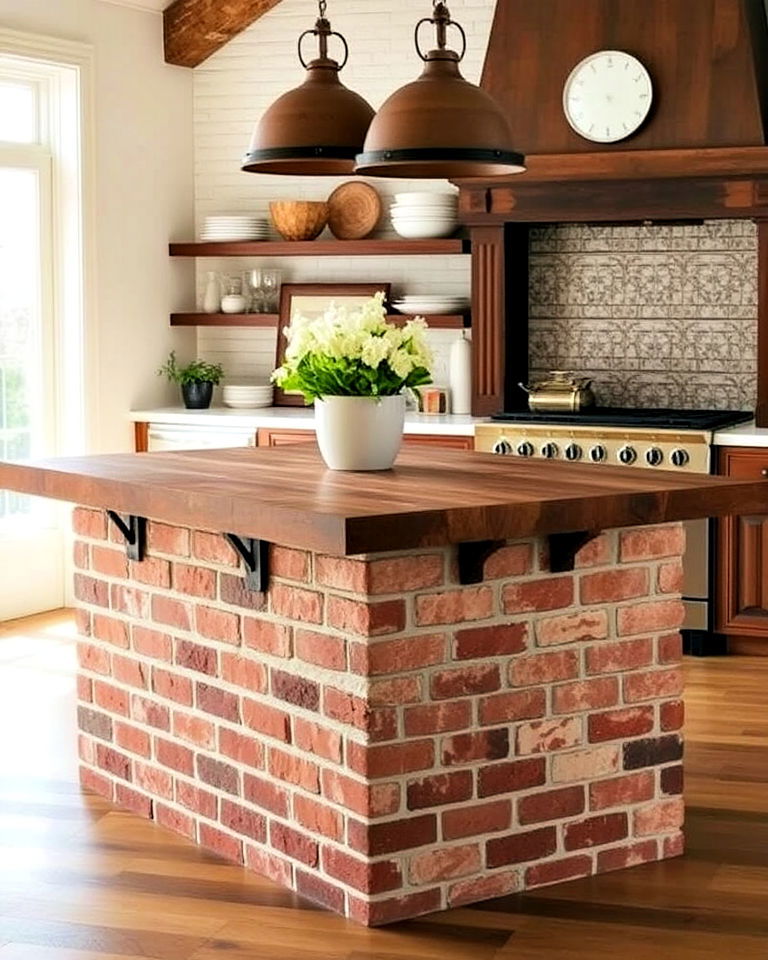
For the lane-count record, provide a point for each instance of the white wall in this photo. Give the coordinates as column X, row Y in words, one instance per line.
column 143, row 191
column 234, row 87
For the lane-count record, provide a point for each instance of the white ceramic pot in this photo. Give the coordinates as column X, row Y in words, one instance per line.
column 360, row 433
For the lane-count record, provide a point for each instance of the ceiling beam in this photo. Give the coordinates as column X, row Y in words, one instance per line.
column 195, row 29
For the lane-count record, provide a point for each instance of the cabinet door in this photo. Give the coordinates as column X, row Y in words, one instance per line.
column 742, row 562
column 439, row 440
column 275, row 437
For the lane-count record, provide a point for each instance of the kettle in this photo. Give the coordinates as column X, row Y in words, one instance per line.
column 561, row 393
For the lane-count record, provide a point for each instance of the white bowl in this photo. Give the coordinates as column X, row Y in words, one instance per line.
column 247, row 404
column 413, row 209
column 418, row 230
column 426, row 221
column 424, row 197
column 434, row 307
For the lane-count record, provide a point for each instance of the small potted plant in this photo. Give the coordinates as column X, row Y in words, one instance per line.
column 197, row 380
column 355, row 366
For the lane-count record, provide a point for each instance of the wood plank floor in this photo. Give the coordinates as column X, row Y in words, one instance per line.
column 80, row 881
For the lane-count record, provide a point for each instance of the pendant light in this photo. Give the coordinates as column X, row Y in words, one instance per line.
column 318, row 128
column 440, row 125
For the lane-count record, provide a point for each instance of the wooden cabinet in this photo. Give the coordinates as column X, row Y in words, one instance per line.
column 278, row 437
column 742, row 561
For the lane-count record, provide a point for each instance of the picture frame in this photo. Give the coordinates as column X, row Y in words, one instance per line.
column 313, row 299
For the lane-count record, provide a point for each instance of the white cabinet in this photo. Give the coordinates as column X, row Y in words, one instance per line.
column 182, row 436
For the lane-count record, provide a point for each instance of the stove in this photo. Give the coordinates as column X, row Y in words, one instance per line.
column 651, row 439
column 632, row 417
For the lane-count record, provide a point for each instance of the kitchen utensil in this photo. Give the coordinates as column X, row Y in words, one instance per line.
column 299, row 219
column 354, row 209
column 560, row 392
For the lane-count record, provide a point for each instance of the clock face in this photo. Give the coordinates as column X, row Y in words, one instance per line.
column 608, row 96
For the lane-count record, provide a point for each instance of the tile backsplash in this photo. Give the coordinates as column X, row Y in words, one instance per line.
column 659, row 315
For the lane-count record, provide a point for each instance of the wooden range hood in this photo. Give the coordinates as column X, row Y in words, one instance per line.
column 702, row 153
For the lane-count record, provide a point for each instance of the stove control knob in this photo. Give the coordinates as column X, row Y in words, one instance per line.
column 654, row 457
column 525, row 449
column 573, row 452
column 598, row 454
column 680, row 458
column 627, row 455
column 549, row 451
column 503, row 448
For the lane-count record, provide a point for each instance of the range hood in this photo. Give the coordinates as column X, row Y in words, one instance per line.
column 709, row 63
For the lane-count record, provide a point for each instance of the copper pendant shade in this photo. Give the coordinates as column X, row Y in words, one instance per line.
column 316, row 129
column 440, row 125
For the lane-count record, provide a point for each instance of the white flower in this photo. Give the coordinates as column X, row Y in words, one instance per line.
column 362, row 336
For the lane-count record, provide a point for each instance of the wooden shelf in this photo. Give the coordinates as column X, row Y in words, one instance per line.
column 323, row 248
column 436, row 322
column 224, row 319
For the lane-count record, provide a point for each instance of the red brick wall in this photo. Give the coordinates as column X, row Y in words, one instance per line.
column 377, row 737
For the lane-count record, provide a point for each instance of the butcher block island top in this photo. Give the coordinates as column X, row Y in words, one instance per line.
column 287, row 496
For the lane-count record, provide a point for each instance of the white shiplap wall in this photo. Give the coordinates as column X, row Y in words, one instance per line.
column 235, row 86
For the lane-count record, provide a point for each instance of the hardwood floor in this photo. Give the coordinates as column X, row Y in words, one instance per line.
column 80, row 881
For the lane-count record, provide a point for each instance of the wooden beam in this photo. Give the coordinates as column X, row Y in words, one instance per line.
column 195, row 29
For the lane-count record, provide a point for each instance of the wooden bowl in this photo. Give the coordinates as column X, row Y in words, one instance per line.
column 299, row 219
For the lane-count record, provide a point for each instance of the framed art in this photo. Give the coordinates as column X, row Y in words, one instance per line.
column 312, row 300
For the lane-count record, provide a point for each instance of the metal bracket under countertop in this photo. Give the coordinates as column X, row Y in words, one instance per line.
column 563, row 548
column 134, row 531
column 255, row 556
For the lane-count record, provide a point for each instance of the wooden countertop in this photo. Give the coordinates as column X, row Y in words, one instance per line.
column 287, row 496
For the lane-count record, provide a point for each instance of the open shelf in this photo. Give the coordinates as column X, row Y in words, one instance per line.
column 323, row 248
column 224, row 319
column 436, row 322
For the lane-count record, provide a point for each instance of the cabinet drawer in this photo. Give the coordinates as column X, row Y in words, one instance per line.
column 744, row 464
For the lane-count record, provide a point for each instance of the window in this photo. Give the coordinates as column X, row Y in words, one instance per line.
column 18, row 112
column 24, row 321
column 42, row 297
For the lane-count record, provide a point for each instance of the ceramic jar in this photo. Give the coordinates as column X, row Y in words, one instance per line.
column 360, row 433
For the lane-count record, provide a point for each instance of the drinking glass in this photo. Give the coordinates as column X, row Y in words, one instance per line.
column 270, row 285
column 253, row 283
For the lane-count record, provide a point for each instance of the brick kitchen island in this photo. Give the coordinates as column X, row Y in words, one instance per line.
column 395, row 724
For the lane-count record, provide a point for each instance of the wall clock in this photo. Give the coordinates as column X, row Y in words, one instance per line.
column 607, row 96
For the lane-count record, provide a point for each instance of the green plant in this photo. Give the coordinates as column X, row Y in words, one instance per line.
column 354, row 354
column 198, row 371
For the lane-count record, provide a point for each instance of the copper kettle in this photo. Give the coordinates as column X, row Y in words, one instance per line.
column 561, row 392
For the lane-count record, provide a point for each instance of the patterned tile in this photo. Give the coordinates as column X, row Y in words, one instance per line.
column 659, row 315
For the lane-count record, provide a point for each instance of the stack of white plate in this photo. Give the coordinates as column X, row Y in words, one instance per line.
column 233, row 228
column 247, row 396
column 422, row 216
column 426, row 304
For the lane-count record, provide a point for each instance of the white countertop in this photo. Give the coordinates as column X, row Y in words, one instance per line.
column 300, row 418
column 742, row 435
